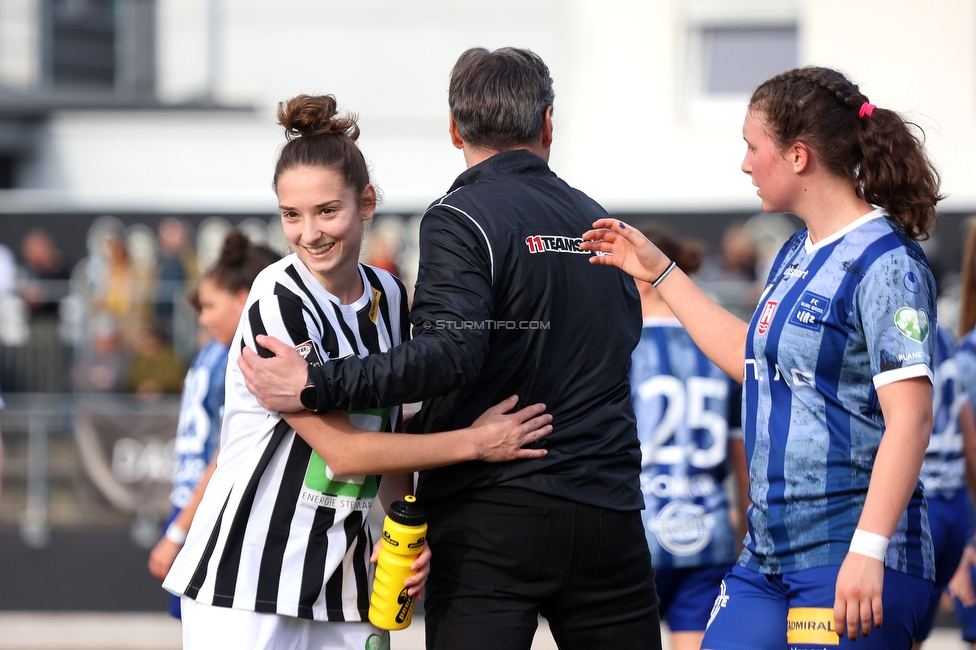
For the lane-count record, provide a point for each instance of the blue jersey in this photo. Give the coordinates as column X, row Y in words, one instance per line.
column 837, row 320
column 682, row 402
column 198, row 429
column 944, row 468
column 965, row 358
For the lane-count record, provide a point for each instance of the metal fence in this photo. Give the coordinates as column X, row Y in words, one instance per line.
column 75, row 457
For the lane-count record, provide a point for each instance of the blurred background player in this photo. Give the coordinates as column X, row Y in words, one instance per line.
column 960, row 587
column 220, row 300
column 949, row 467
column 688, row 414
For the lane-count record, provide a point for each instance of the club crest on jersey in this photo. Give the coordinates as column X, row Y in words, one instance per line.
column 810, row 311
column 309, row 353
column 766, row 317
column 554, row 244
column 913, row 323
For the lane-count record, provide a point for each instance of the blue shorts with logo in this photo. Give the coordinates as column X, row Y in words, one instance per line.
column 755, row 611
column 687, row 595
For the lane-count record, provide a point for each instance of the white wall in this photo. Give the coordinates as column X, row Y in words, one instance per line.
column 624, row 131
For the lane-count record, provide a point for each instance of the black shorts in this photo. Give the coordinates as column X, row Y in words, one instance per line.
column 503, row 556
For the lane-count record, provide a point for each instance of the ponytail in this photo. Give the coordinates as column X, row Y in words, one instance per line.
column 874, row 147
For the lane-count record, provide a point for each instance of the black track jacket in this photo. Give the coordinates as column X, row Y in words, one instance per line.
column 506, row 304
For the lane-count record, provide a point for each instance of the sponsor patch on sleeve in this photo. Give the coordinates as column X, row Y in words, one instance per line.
column 913, row 323
column 309, row 353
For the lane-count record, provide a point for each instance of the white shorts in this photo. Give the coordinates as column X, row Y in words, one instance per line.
column 206, row 627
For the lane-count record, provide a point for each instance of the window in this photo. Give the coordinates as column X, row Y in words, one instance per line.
column 81, row 46
column 100, row 45
column 737, row 59
column 730, row 48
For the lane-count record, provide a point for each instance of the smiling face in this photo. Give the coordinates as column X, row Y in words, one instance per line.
column 770, row 168
column 323, row 221
column 220, row 310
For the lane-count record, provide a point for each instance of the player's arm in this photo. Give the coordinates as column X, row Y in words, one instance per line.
column 497, row 435
column 716, row 331
column 454, row 288
column 907, row 409
column 164, row 553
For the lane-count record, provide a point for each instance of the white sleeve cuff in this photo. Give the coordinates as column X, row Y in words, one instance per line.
column 906, row 372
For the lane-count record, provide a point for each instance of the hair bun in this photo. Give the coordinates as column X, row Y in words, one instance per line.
column 235, row 248
column 306, row 116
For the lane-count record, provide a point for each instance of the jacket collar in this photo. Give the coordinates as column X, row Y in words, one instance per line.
column 516, row 161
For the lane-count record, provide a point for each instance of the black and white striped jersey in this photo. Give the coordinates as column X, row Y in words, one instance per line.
column 277, row 531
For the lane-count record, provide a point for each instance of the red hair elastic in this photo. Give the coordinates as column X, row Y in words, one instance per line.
column 866, row 110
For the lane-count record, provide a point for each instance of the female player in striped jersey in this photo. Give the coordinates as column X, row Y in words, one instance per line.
column 688, row 424
column 220, row 300
column 836, row 367
column 278, row 553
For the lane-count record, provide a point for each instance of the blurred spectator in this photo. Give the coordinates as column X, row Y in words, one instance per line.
column 121, row 291
column 177, row 269
column 44, row 273
column 8, row 270
column 735, row 260
column 210, row 238
column 154, row 368
column 13, row 321
column 2, row 405
column 768, row 231
column 383, row 245
column 44, row 277
column 103, row 364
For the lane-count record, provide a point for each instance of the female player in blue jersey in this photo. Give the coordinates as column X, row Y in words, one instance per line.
column 220, row 300
column 945, row 471
column 838, row 353
column 961, row 585
column 688, row 424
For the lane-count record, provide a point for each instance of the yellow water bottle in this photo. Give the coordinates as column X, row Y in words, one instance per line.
column 404, row 536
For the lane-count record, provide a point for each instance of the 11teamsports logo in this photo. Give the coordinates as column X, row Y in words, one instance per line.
column 554, row 244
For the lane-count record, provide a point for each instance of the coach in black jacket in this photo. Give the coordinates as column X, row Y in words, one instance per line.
column 506, row 303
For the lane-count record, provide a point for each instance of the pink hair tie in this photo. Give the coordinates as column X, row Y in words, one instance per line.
column 867, row 110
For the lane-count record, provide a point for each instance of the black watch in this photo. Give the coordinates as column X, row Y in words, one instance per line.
column 308, row 397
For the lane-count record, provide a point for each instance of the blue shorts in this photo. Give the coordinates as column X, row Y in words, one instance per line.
column 687, row 595
column 752, row 610
column 949, row 520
